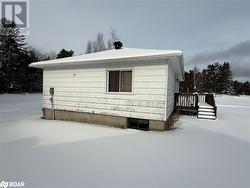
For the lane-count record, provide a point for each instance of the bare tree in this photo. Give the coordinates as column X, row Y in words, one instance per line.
column 89, row 48
column 99, row 43
column 195, row 70
column 52, row 55
column 112, row 39
column 96, row 45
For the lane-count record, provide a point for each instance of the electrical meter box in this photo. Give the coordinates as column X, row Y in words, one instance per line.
column 51, row 91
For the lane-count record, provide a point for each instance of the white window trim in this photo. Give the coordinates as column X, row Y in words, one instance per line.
column 119, row 69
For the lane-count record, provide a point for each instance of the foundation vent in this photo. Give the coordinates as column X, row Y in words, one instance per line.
column 141, row 124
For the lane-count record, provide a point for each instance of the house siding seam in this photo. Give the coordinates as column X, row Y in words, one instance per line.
column 84, row 90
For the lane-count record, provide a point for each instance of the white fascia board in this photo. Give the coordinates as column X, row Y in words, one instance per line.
column 63, row 63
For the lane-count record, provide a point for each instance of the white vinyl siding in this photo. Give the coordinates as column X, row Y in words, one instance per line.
column 171, row 82
column 85, row 90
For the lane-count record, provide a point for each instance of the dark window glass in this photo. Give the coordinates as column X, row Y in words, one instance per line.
column 126, row 81
column 114, row 81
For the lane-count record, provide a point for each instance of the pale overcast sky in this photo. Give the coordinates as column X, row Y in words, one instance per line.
column 205, row 30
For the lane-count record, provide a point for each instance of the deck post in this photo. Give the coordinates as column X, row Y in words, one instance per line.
column 196, row 101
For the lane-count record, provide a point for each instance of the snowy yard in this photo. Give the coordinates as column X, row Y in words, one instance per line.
column 201, row 153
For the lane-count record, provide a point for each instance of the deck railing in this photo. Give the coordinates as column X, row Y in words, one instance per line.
column 202, row 98
column 187, row 102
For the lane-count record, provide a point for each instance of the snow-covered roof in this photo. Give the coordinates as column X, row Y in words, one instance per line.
column 124, row 54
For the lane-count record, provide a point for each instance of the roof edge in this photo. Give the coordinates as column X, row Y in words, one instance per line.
column 70, row 62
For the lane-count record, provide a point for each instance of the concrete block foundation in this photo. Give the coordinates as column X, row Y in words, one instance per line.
column 156, row 125
column 113, row 121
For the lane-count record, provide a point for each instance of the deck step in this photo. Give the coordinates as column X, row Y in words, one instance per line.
column 206, row 113
column 206, row 107
column 206, row 117
column 205, row 110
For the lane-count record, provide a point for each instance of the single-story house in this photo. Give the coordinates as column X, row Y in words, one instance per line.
column 120, row 87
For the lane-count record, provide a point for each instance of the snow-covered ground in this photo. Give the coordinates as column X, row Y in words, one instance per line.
column 201, row 153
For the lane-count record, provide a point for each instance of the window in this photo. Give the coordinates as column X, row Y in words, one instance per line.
column 126, row 81
column 114, row 81
column 120, row 81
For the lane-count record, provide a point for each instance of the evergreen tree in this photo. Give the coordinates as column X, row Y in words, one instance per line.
column 204, row 83
column 226, row 78
column 15, row 74
column 187, row 86
column 245, row 88
column 215, row 78
column 33, row 77
column 64, row 53
column 211, row 77
column 12, row 45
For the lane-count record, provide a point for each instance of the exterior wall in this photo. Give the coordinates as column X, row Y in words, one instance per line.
column 84, row 90
column 171, row 87
column 177, row 85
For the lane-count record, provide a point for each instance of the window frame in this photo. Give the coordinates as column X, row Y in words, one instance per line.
column 120, row 70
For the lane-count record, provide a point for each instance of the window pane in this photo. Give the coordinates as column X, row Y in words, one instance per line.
column 113, row 81
column 126, row 81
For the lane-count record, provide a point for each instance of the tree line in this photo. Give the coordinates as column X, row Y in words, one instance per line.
column 216, row 78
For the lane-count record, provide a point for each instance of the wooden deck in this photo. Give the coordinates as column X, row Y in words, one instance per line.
column 191, row 103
